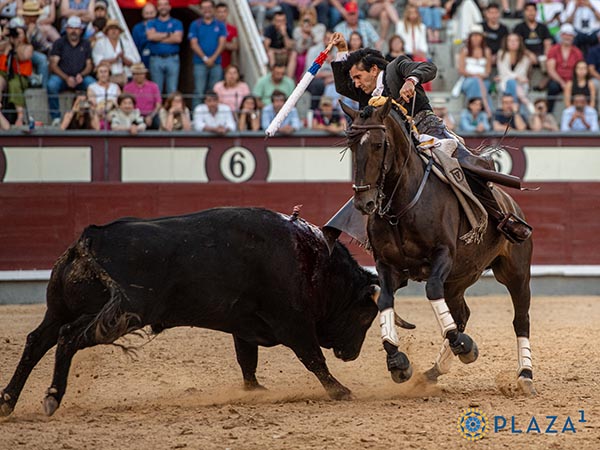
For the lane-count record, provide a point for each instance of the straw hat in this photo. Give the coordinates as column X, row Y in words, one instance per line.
column 31, row 8
column 112, row 23
column 138, row 68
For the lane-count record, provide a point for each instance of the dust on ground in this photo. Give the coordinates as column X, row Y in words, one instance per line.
column 184, row 389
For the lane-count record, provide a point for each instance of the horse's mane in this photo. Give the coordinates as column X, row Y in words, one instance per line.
column 353, row 135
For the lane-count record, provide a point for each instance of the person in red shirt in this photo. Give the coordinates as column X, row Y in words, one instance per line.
column 562, row 59
column 231, row 42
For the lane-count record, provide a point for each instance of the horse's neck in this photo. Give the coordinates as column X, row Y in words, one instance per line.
column 406, row 162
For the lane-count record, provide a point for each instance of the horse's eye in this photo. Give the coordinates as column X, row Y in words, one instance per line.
column 378, row 146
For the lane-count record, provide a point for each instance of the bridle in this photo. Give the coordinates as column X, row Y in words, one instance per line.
column 384, row 211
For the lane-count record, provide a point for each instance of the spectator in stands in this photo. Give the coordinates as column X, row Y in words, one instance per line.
column 324, row 76
column 97, row 30
column 432, row 13
column 213, row 117
column 513, row 71
column 127, row 117
column 294, row 8
column 494, row 31
column 263, row 9
column 509, row 116
column 549, row 13
column 45, row 18
column 355, row 42
column 207, row 39
column 593, row 60
column 16, row 67
column 412, row 30
column 464, row 14
column 229, row 55
column 363, row 27
column 440, row 109
column 473, row 118
column 138, row 32
column 290, row 124
column 110, row 50
column 328, row 118
column 4, row 123
column 100, row 12
column 580, row 116
column 385, row 12
column 70, row 65
column 541, row 120
column 100, row 9
column 475, row 66
column 41, row 45
column 278, row 42
column 562, row 58
column 103, row 94
column 174, row 115
column 83, row 9
column 580, row 84
column 82, row 116
column 248, row 118
column 232, row 89
column 147, row 95
column 305, row 35
column 275, row 80
column 395, row 48
column 517, row 14
column 535, row 35
column 584, row 15
column 165, row 35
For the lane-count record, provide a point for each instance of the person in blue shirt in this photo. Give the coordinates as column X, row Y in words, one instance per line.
column 291, row 122
column 207, row 38
column 580, row 116
column 165, row 34
column 473, row 118
column 139, row 33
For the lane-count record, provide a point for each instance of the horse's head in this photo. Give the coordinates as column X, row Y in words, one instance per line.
column 371, row 155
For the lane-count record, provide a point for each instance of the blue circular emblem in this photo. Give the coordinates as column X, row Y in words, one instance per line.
column 472, row 424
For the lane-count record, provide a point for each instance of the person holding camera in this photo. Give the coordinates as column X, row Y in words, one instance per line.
column 15, row 66
column 541, row 120
column 82, row 116
column 175, row 116
column 70, row 65
column 580, row 116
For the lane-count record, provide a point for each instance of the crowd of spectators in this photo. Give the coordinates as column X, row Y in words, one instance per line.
column 73, row 45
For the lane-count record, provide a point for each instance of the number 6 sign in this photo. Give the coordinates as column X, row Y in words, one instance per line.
column 237, row 164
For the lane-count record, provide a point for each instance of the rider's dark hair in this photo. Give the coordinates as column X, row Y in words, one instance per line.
column 365, row 58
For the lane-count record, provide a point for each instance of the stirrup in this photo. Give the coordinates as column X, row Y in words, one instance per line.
column 509, row 225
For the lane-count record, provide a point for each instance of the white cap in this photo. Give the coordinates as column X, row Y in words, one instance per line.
column 16, row 22
column 74, row 22
column 567, row 28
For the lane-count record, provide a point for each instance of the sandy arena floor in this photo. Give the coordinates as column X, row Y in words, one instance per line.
column 184, row 389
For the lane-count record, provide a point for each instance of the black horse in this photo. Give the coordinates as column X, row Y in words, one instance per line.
column 414, row 228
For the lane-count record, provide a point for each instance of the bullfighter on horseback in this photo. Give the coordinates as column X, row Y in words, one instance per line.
column 365, row 74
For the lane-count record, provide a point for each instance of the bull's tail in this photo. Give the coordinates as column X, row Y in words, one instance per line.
column 115, row 319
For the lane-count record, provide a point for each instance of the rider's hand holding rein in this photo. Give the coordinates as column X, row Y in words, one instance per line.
column 408, row 90
column 339, row 41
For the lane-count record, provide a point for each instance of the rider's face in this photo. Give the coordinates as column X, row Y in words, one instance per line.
column 363, row 79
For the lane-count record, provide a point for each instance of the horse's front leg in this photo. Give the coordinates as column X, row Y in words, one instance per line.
column 397, row 362
column 459, row 343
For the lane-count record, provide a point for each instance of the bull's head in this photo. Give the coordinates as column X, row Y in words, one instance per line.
column 371, row 155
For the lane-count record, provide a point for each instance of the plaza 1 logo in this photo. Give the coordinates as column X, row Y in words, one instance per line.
column 473, row 424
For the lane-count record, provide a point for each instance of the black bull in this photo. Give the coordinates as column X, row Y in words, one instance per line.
column 259, row 275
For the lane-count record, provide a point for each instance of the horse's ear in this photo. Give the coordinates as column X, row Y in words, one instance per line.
column 386, row 108
column 348, row 110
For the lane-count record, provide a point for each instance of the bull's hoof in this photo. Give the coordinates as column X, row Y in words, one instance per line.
column 253, row 386
column 5, row 406
column 50, row 405
column 525, row 385
column 465, row 348
column 432, row 375
column 399, row 367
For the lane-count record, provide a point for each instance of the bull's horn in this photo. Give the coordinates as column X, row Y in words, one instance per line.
column 397, row 319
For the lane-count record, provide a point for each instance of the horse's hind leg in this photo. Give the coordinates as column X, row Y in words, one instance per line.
column 515, row 275
column 397, row 362
column 39, row 341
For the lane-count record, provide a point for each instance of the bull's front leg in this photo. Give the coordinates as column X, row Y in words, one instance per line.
column 397, row 362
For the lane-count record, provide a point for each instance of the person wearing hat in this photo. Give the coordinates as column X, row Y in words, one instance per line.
column 352, row 23
column 70, row 65
column 475, row 67
column 562, row 58
column 109, row 49
column 30, row 12
column 328, row 118
column 440, row 109
column 146, row 93
column 83, row 9
column 366, row 76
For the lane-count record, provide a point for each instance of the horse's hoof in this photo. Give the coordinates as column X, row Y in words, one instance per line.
column 341, row 393
column 465, row 348
column 432, row 375
column 526, row 386
column 254, row 386
column 401, row 376
column 50, row 405
column 5, row 408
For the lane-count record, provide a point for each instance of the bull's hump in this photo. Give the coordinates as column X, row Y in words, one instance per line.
column 303, row 224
